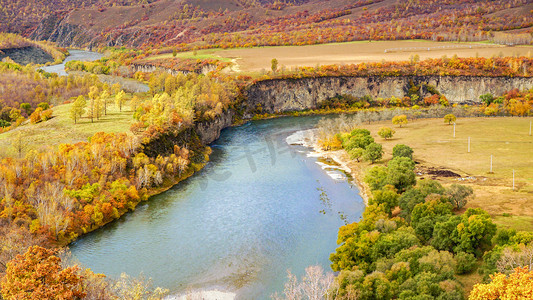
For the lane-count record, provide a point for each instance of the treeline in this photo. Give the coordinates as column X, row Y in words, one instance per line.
column 412, row 241
column 445, row 66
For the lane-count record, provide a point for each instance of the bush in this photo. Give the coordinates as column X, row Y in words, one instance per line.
column 465, row 263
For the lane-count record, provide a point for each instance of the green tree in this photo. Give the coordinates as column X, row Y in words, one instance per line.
column 449, row 118
column 386, row 132
column 376, row 177
column 78, row 108
column 400, row 173
column 465, row 263
column 387, row 198
column 274, row 65
column 399, row 120
column 486, row 98
column 44, row 105
column 458, row 195
column 359, row 140
column 426, row 215
column 475, row 232
column 26, row 107
column 401, row 150
column 373, row 152
column 356, row 153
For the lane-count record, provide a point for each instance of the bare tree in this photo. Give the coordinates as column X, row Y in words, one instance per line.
column 314, row 285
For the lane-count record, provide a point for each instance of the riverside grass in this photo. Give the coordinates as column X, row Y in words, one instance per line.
column 507, row 139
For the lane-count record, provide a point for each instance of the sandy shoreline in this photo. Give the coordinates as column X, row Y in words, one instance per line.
column 308, row 138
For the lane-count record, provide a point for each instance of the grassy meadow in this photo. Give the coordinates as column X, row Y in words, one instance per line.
column 61, row 129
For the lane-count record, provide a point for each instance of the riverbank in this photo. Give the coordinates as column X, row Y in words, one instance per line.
column 309, row 138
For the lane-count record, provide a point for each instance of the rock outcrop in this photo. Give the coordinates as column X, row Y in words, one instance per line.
column 281, row 95
column 26, row 55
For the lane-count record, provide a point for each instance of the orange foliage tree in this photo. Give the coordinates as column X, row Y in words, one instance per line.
column 38, row 275
column 518, row 285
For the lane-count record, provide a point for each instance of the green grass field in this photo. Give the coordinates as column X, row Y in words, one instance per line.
column 61, row 129
column 507, row 139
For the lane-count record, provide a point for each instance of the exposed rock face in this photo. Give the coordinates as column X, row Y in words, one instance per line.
column 210, row 131
column 26, row 55
column 307, row 93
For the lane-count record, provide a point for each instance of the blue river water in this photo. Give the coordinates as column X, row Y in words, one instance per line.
column 259, row 208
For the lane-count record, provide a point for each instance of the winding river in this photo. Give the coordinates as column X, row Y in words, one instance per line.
column 80, row 55
column 259, row 208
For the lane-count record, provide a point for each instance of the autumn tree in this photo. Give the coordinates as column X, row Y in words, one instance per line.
column 119, row 99
column 274, row 65
column 386, row 132
column 38, row 274
column 449, row 118
column 104, row 96
column 518, row 285
column 19, row 144
column 92, row 109
column 78, row 108
column 399, row 120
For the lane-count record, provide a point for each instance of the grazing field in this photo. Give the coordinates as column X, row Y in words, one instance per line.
column 507, row 139
column 61, row 129
column 257, row 59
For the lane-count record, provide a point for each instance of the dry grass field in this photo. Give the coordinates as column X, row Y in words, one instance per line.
column 505, row 138
column 257, row 59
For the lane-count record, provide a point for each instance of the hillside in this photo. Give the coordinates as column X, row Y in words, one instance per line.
column 191, row 24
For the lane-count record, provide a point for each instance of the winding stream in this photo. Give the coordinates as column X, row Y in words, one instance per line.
column 253, row 212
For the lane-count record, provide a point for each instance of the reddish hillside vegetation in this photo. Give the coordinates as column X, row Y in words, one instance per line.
column 186, row 24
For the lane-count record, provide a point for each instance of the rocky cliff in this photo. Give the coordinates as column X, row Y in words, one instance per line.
column 280, row 95
column 26, row 55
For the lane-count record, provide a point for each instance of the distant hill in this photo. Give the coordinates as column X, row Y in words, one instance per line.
column 190, row 24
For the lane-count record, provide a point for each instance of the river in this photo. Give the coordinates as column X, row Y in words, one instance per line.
column 129, row 85
column 255, row 211
column 80, row 55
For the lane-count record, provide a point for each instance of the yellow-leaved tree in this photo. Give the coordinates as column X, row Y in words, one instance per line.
column 518, row 285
